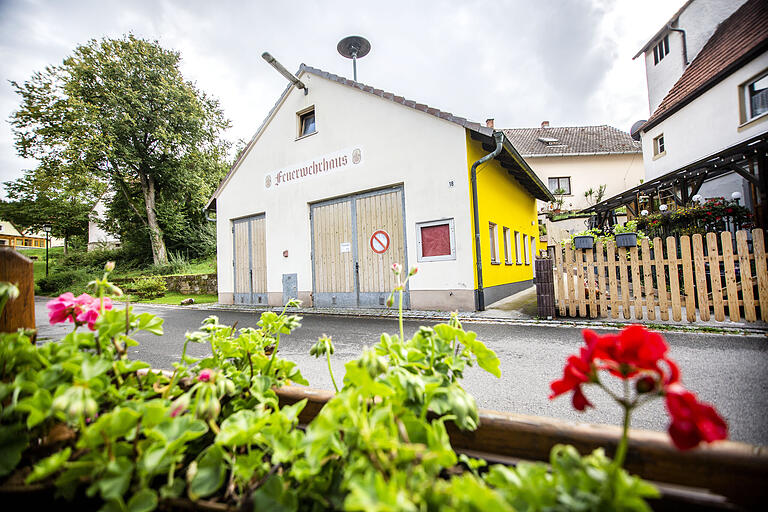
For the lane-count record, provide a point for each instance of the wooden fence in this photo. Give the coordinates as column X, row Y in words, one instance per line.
column 685, row 276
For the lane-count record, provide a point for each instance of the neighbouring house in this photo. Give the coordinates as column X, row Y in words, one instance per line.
column 577, row 160
column 708, row 136
column 98, row 237
column 343, row 180
column 12, row 237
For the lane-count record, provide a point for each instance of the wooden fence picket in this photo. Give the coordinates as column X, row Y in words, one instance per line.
column 650, row 301
column 591, row 285
column 580, row 283
column 600, row 254
column 730, row 277
column 701, row 277
column 761, row 268
column 715, row 276
column 745, row 269
column 569, row 277
column 611, row 262
column 674, row 278
column 690, row 298
column 637, row 287
column 559, row 293
column 623, row 257
column 661, row 279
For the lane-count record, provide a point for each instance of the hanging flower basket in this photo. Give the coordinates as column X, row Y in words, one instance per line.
column 626, row 239
column 583, row 242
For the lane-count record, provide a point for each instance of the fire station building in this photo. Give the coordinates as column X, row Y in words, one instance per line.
column 342, row 180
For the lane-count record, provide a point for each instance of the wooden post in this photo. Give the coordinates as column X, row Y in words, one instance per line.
column 674, row 279
column 730, row 277
column 758, row 241
column 715, row 277
column 745, row 270
column 20, row 312
column 701, row 276
column 661, row 280
column 600, row 253
column 690, row 292
column 545, row 288
column 650, row 302
column 611, row 262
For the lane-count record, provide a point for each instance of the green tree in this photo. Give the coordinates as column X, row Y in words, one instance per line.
column 119, row 111
column 51, row 197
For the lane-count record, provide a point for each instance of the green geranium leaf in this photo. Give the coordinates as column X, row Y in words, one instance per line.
column 144, row 500
column 206, row 475
column 275, row 496
column 49, row 465
column 94, row 367
column 115, row 480
column 38, row 406
column 13, row 441
column 150, row 323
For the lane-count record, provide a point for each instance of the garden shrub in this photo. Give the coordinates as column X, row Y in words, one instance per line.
column 59, row 281
column 149, row 287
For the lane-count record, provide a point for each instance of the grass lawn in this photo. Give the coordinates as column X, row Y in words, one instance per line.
column 176, row 298
column 38, row 265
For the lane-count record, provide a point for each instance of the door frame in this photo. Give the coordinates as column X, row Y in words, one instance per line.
column 352, row 299
column 250, row 297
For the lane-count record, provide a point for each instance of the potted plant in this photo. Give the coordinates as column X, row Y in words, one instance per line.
column 584, row 240
column 626, row 235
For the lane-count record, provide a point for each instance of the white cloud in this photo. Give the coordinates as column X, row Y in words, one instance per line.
column 518, row 61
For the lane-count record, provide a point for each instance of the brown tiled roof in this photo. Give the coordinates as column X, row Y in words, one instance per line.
column 739, row 39
column 571, row 140
column 520, row 169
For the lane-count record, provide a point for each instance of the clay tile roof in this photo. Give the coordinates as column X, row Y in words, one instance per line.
column 571, row 140
column 737, row 40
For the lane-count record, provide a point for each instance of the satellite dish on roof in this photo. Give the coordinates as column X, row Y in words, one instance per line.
column 354, row 47
column 634, row 132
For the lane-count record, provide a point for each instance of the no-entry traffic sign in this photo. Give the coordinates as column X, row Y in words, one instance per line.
column 379, row 241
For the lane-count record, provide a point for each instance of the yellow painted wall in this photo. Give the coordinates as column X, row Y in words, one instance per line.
column 503, row 201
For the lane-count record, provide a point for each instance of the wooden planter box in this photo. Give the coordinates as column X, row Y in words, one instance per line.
column 724, row 476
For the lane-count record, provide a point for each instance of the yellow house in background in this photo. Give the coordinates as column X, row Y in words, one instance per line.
column 12, row 237
column 342, row 180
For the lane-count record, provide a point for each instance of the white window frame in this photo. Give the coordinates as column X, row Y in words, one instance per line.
column 299, row 116
column 518, row 243
column 419, row 257
column 746, row 101
column 493, row 233
column 659, row 145
column 661, row 50
column 527, row 243
column 507, row 246
column 569, row 192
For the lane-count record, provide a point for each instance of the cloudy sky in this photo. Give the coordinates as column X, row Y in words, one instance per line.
column 519, row 61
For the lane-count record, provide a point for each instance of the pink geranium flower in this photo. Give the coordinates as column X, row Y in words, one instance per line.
column 90, row 312
column 205, row 375
column 82, row 310
column 61, row 309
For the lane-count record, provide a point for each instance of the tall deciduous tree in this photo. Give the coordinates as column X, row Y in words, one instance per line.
column 119, row 110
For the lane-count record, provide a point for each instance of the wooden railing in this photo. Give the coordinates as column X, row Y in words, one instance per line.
column 666, row 279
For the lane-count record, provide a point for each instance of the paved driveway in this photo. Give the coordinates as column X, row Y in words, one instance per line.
column 729, row 370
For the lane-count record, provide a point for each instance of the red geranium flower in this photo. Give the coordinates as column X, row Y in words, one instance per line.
column 692, row 421
column 578, row 370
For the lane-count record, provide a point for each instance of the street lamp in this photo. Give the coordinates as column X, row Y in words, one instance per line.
column 47, row 230
column 736, row 196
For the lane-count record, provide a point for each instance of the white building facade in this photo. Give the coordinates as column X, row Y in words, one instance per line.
column 337, row 185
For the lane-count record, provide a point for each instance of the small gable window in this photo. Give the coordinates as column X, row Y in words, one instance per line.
column 661, row 50
column 659, row 148
column 307, row 122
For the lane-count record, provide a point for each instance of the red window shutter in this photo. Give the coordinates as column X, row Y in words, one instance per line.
column 436, row 240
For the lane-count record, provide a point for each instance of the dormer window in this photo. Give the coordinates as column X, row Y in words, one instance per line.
column 552, row 142
column 307, row 122
column 661, row 50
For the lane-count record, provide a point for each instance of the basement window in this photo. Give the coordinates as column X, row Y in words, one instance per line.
column 307, row 122
column 436, row 240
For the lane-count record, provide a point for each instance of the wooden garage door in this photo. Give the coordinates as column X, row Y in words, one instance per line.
column 347, row 271
column 250, row 261
column 333, row 258
column 379, row 212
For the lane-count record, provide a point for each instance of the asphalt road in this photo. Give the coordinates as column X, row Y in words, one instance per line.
column 729, row 371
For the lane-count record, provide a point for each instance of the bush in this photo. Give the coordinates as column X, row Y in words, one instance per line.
column 177, row 264
column 149, row 287
column 60, row 281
